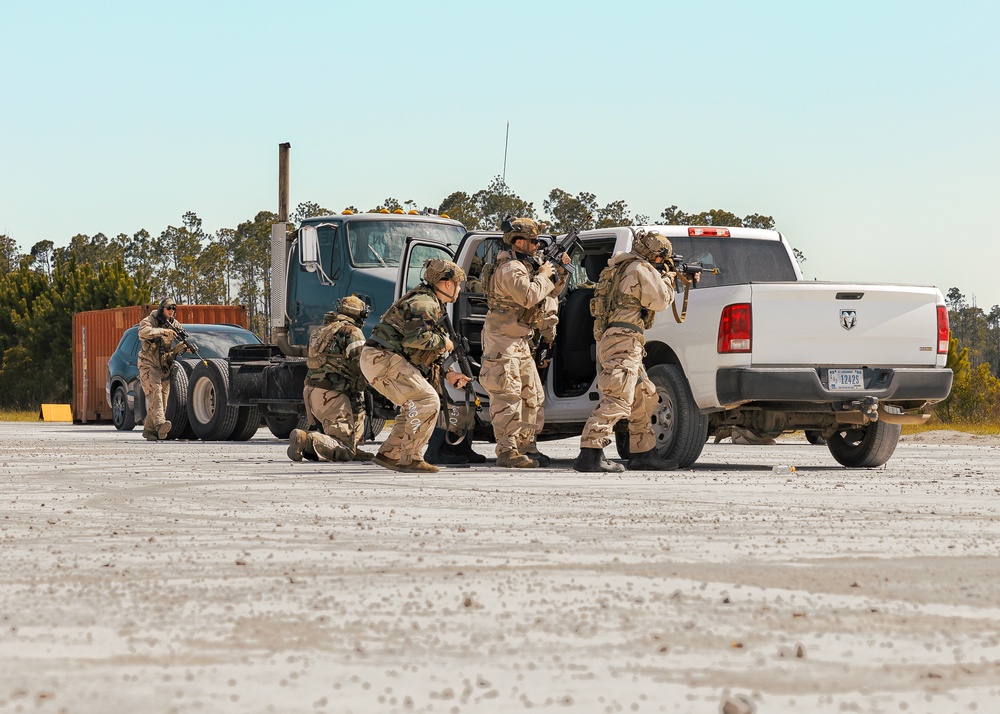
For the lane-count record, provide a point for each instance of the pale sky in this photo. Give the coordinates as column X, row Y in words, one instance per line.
column 867, row 129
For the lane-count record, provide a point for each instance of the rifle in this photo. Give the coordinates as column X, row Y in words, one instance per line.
column 460, row 352
column 688, row 274
column 554, row 252
column 184, row 338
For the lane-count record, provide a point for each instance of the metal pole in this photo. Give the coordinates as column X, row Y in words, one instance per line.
column 505, row 141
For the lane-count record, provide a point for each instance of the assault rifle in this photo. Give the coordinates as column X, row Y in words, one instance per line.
column 184, row 338
column 676, row 263
column 554, row 252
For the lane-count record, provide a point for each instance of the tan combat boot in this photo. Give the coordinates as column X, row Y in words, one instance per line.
column 386, row 461
column 514, row 460
column 296, row 444
column 419, row 467
column 327, row 448
column 163, row 430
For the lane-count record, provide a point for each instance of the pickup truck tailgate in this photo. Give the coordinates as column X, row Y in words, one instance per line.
column 836, row 324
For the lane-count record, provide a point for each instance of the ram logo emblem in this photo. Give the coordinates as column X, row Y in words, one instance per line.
column 848, row 319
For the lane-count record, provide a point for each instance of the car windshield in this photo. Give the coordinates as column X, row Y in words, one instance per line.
column 380, row 243
column 215, row 345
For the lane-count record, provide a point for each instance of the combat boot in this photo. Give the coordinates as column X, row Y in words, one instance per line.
column 650, row 461
column 439, row 452
column 386, row 461
column 163, row 430
column 149, row 434
column 419, row 467
column 362, row 455
column 514, row 460
column 593, row 461
column 533, row 453
column 297, row 441
column 329, row 449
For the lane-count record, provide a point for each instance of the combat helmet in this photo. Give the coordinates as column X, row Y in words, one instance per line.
column 650, row 244
column 353, row 306
column 518, row 228
column 437, row 269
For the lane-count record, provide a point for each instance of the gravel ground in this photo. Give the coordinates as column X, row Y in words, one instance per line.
column 221, row 577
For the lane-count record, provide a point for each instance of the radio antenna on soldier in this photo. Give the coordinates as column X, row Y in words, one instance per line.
column 505, row 140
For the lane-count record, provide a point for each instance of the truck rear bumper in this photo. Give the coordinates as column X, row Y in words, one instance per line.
column 738, row 385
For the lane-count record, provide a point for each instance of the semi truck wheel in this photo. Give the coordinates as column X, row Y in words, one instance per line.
column 281, row 425
column 865, row 447
column 121, row 415
column 211, row 416
column 176, row 407
column 247, row 424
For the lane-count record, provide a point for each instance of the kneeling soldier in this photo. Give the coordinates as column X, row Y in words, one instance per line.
column 334, row 388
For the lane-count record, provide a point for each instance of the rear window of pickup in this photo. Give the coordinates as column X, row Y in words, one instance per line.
column 739, row 260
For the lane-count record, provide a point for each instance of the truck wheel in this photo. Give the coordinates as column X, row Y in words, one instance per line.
column 865, row 447
column 211, row 416
column 121, row 414
column 373, row 427
column 176, row 409
column 247, row 424
column 281, row 425
column 815, row 437
column 679, row 426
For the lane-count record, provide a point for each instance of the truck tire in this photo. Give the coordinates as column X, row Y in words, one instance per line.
column 865, row 447
column 121, row 415
column 281, row 425
column 247, row 424
column 208, row 409
column 176, row 409
column 679, row 426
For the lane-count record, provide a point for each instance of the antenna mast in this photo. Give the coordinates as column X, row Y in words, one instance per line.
column 505, row 140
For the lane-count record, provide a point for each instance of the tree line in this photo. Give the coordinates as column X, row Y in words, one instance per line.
column 41, row 288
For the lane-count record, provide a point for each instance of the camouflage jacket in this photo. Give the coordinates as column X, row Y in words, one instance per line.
column 515, row 294
column 638, row 292
column 411, row 327
column 334, row 356
column 155, row 343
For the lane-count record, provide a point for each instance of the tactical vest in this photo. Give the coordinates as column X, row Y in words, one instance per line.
column 329, row 365
column 607, row 301
column 159, row 349
column 526, row 316
column 388, row 334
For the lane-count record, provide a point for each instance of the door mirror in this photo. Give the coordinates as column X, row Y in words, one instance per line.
column 309, row 248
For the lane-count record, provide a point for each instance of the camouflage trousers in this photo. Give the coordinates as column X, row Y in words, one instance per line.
column 392, row 376
column 626, row 393
column 516, row 395
column 156, row 387
column 334, row 414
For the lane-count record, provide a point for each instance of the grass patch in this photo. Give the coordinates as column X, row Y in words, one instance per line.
column 10, row 415
column 978, row 428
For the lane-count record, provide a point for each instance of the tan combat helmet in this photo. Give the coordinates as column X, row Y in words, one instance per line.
column 436, row 270
column 353, row 306
column 650, row 244
column 519, row 228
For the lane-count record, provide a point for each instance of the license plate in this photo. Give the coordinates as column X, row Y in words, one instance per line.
column 846, row 379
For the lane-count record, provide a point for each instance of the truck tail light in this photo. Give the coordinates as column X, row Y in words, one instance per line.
column 943, row 333
column 702, row 231
column 735, row 328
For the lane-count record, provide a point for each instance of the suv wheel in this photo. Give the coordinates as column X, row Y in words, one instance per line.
column 121, row 414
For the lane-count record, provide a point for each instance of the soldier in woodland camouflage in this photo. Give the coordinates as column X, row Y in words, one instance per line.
column 515, row 290
column 402, row 360
column 631, row 290
column 334, row 388
column 156, row 362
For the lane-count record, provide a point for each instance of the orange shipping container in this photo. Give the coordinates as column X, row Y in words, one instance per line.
column 96, row 334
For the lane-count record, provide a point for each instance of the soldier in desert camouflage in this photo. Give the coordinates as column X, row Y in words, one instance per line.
column 157, row 332
column 631, row 290
column 516, row 289
column 334, row 388
column 402, row 361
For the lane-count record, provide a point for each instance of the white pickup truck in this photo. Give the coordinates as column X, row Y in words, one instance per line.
column 761, row 348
